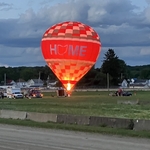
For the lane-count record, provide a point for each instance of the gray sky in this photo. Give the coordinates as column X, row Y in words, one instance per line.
column 123, row 25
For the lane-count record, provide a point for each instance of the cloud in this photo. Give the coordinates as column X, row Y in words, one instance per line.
column 148, row 1
column 147, row 16
column 145, row 51
column 120, row 27
column 131, row 55
column 5, row 6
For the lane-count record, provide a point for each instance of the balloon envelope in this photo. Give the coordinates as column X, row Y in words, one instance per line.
column 70, row 49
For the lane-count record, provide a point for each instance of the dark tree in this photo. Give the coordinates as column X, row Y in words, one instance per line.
column 114, row 66
column 145, row 74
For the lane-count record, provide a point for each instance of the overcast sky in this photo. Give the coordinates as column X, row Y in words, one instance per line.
column 123, row 25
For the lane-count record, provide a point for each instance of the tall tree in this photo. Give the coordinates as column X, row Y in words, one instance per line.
column 114, row 66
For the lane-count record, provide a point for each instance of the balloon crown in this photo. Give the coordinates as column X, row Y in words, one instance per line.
column 71, row 29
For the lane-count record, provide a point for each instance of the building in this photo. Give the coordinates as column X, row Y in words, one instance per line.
column 35, row 83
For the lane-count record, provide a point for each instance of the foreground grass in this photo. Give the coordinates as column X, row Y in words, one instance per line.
column 91, row 129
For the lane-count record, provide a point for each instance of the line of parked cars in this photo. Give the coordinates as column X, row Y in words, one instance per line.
column 16, row 93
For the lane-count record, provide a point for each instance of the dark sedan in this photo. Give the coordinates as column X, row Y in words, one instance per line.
column 126, row 93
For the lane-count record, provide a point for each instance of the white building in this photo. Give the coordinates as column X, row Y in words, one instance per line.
column 35, row 83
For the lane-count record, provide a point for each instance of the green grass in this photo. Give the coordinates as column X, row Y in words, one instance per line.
column 84, row 103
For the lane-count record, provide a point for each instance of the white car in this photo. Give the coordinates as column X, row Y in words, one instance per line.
column 17, row 95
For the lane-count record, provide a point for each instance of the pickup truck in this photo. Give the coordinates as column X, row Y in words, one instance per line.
column 15, row 95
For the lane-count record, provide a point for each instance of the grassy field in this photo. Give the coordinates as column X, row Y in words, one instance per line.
column 84, row 103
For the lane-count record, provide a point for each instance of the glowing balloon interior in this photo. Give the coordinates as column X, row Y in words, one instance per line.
column 70, row 50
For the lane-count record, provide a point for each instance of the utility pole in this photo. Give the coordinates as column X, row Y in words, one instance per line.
column 4, row 78
column 108, row 81
column 121, row 76
column 39, row 77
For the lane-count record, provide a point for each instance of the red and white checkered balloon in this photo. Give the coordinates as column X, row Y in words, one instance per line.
column 70, row 50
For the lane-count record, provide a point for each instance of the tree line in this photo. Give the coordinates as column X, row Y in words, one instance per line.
column 112, row 69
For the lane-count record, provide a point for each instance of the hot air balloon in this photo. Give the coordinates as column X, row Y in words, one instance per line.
column 70, row 49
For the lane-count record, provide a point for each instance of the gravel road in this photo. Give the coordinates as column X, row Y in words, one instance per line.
column 26, row 138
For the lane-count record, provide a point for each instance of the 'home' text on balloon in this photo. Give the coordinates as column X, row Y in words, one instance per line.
column 68, row 49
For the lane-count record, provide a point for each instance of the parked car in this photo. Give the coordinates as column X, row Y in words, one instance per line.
column 35, row 94
column 14, row 93
column 126, row 93
column 17, row 95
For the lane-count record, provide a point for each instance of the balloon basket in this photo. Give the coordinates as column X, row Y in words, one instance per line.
column 62, row 93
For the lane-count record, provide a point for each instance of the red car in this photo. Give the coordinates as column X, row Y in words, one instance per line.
column 35, row 94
